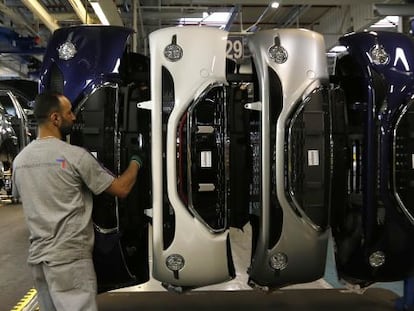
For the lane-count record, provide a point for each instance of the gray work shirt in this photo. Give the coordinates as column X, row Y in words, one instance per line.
column 54, row 181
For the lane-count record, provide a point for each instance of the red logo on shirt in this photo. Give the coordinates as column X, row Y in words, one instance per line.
column 62, row 162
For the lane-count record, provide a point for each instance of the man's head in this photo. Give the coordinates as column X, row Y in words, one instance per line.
column 54, row 111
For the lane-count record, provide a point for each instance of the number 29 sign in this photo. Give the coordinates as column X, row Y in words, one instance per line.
column 235, row 48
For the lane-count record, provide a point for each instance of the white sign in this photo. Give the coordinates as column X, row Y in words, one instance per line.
column 313, row 157
column 205, row 159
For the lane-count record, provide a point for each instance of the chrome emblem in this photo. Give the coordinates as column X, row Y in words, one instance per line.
column 173, row 52
column 67, row 50
column 278, row 261
column 377, row 259
column 277, row 52
column 379, row 55
column 175, row 262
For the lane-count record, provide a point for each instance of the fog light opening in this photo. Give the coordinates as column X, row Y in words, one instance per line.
column 175, row 262
column 278, row 261
column 377, row 259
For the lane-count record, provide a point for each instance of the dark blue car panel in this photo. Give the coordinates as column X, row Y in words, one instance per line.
column 372, row 238
column 98, row 50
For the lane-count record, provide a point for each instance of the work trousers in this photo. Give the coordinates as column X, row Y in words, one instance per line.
column 66, row 287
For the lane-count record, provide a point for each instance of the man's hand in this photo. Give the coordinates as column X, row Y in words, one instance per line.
column 139, row 158
column 138, row 151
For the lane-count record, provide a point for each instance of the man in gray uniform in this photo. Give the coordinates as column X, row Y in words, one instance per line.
column 55, row 182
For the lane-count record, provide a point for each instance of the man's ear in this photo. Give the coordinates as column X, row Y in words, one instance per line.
column 55, row 118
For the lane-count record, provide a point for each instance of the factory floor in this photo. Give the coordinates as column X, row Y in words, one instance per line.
column 324, row 294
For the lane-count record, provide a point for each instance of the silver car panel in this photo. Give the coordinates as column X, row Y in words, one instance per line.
column 297, row 57
column 195, row 59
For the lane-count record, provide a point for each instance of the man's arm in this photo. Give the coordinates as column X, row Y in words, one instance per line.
column 122, row 185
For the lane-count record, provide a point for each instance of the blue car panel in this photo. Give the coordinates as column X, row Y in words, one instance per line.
column 372, row 228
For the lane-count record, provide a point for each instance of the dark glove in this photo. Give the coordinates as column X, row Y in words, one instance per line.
column 138, row 157
column 139, row 151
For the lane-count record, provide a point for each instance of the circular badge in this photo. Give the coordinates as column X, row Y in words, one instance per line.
column 175, row 262
column 379, row 55
column 173, row 52
column 278, row 54
column 67, row 50
column 278, row 261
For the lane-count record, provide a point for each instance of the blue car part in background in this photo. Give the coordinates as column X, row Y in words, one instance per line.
column 373, row 222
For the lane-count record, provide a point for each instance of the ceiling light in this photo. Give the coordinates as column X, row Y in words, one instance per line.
column 274, row 5
column 387, row 22
column 107, row 12
column 338, row 49
column 218, row 19
column 99, row 12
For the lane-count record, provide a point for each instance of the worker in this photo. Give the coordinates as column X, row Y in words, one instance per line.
column 55, row 181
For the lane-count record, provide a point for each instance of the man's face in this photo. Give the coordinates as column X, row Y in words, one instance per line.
column 66, row 117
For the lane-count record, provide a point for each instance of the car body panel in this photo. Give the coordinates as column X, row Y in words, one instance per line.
column 78, row 75
column 205, row 253
column 9, row 141
column 285, row 228
column 17, row 116
column 25, row 91
column 376, row 74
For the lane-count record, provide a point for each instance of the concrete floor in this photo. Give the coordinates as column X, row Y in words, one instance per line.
column 15, row 277
column 323, row 294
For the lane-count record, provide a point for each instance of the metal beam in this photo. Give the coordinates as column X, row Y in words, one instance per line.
column 234, row 13
column 65, row 17
column 81, row 12
column 17, row 18
column 38, row 10
column 14, row 66
column 181, row 8
column 295, row 14
column 284, row 2
column 171, row 15
column 394, row 9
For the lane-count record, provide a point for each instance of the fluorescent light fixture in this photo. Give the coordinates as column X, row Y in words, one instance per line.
column 218, row 19
column 338, row 49
column 100, row 13
column 107, row 12
column 274, row 5
column 387, row 22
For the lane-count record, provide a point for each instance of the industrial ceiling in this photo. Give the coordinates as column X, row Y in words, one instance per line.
column 39, row 18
